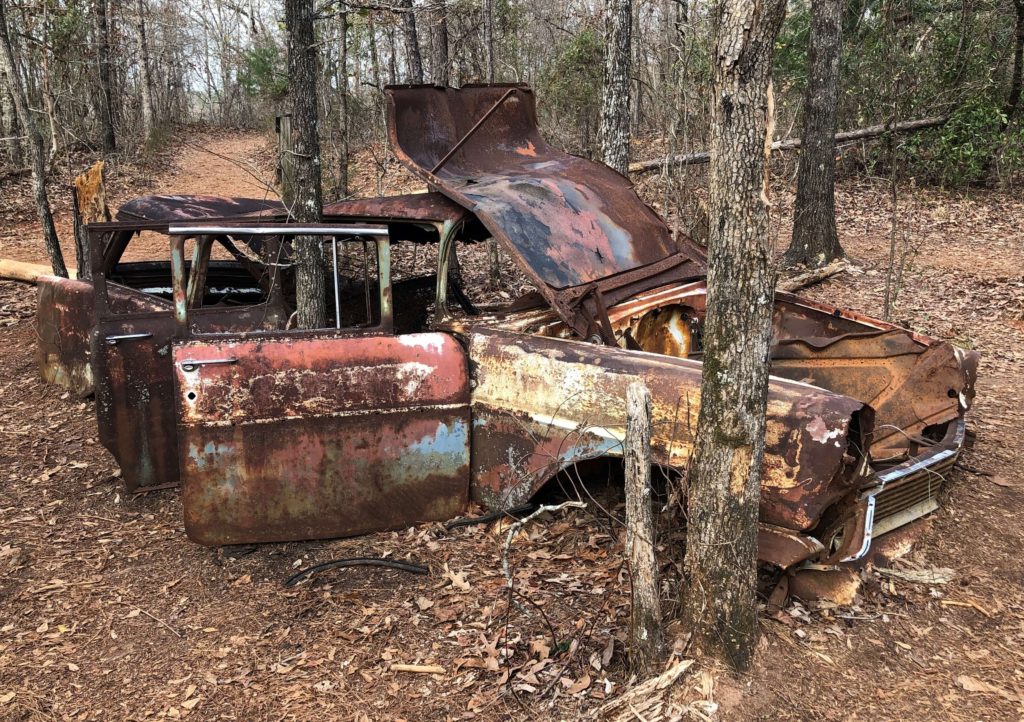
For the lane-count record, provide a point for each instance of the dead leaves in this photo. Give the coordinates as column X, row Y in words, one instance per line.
column 973, row 684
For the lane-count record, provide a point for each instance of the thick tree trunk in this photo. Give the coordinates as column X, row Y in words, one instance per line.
column 36, row 146
column 614, row 134
column 646, row 637
column 815, row 241
column 725, row 473
column 439, row 68
column 145, row 68
column 305, row 205
column 104, row 98
column 412, row 42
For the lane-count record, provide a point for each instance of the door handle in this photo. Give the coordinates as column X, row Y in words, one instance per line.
column 193, row 364
column 114, row 340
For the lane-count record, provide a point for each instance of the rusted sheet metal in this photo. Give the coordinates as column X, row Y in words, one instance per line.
column 309, row 436
column 135, row 396
column 524, row 434
column 426, row 207
column 64, row 321
column 176, row 208
column 576, row 227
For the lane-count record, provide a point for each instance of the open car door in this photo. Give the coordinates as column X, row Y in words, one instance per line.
column 291, row 435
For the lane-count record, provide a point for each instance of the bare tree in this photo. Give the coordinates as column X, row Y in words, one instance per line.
column 103, row 100
column 439, row 66
column 37, row 147
column 343, row 145
column 725, row 473
column 148, row 110
column 412, row 42
column 615, row 116
column 303, row 71
column 815, row 240
column 1013, row 98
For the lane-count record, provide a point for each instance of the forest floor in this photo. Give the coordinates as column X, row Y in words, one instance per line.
column 108, row 612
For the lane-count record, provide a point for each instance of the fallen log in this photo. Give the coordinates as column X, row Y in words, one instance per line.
column 871, row 131
column 26, row 272
column 812, row 276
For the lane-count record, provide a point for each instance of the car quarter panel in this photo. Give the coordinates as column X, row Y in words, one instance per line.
column 541, row 404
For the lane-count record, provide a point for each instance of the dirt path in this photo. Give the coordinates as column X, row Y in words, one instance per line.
column 221, row 164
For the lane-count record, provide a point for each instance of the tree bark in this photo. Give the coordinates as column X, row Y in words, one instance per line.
column 36, row 146
column 646, row 638
column 439, row 69
column 615, row 116
column 725, row 472
column 104, row 98
column 145, row 68
column 12, row 128
column 306, row 200
column 815, row 241
column 412, row 42
column 1013, row 99
column 343, row 145
column 488, row 12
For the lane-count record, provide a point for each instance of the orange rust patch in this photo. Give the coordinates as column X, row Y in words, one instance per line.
column 529, row 150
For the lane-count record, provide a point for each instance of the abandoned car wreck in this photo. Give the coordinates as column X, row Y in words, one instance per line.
column 416, row 400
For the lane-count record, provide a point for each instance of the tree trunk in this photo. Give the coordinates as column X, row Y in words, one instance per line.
column 12, row 128
column 145, row 68
column 36, row 146
column 305, row 205
column 412, row 42
column 725, row 473
column 646, row 638
column 343, row 146
column 615, row 115
column 488, row 11
column 104, row 98
column 439, row 44
column 1013, row 99
column 815, row 241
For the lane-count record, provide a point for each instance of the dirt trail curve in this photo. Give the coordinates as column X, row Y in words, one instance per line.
column 224, row 164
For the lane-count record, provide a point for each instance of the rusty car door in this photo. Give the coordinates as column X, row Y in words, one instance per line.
column 306, row 435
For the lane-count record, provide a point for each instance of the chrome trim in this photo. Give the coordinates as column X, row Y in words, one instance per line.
column 114, row 340
column 276, row 229
column 869, row 525
column 193, row 364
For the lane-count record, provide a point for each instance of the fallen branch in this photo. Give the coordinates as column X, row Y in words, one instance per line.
column 526, row 520
column 813, row 276
column 418, row 668
column 871, row 131
column 26, row 272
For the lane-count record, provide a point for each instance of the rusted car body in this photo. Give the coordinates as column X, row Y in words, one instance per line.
column 415, row 401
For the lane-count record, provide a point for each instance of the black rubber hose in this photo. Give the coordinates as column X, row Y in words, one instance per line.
column 355, row 562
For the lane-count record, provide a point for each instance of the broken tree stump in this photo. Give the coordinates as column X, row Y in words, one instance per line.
column 646, row 638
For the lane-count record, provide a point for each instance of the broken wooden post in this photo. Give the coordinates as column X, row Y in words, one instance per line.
column 88, row 205
column 285, row 159
column 646, row 639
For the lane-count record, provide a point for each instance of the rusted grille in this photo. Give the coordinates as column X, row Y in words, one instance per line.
column 902, row 495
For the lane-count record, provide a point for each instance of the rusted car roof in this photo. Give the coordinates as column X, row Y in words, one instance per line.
column 176, row 208
column 571, row 223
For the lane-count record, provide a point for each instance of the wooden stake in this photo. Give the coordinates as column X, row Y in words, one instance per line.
column 646, row 638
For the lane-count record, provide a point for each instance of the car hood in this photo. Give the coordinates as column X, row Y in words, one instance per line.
column 576, row 227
